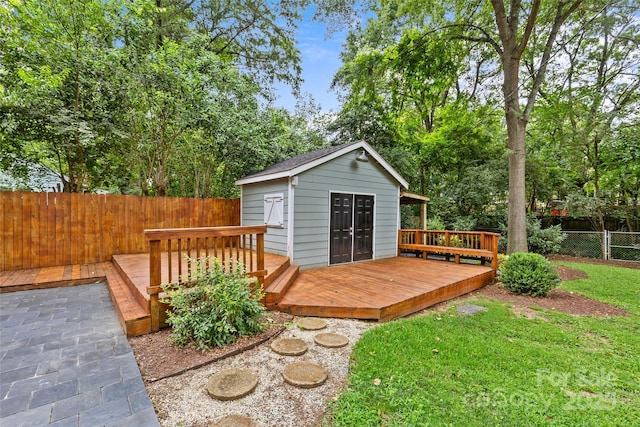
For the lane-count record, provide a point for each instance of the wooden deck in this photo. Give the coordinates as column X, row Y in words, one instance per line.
column 381, row 289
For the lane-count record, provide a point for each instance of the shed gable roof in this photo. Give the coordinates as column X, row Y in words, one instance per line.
column 304, row 162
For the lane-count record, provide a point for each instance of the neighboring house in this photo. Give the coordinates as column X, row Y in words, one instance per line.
column 39, row 178
column 336, row 205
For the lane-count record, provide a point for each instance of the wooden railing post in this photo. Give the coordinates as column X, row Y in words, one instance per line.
column 494, row 249
column 155, row 278
column 260, row 255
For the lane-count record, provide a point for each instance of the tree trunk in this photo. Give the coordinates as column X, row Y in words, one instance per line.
column 516, row 127
column 517, row 225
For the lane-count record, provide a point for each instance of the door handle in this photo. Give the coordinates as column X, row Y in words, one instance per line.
column 350, row 231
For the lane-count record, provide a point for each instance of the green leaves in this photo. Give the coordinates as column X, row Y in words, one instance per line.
column 216, row 307
column 145, row 96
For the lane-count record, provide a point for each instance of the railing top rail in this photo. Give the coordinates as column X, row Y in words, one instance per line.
column 486, row 233
column 182, row 233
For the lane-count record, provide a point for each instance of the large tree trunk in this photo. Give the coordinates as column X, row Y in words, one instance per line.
column 516, row 126
column 517, row 225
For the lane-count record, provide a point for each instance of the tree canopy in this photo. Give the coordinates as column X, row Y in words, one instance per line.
column 493, row 109
column 158, row 97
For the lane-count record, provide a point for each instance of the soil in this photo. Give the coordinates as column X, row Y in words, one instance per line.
column 158, row 358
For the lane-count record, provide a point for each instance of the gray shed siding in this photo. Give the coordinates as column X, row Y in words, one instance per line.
column 275, row 241
column 311, row 207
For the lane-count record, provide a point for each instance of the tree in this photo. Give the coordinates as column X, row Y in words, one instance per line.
column 508, row 30
column 58, row 97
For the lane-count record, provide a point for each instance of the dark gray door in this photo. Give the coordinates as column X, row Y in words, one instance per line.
column 351, row 228
column 363, row 228
column 341, row 228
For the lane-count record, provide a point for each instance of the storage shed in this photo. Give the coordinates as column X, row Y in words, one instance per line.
column 336, row 205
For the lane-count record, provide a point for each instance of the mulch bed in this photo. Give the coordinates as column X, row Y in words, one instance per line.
column 158, row 358
column 558, row 300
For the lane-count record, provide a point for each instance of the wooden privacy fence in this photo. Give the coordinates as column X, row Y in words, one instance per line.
column 473, row 244
column 168, row 248
column 51, row 229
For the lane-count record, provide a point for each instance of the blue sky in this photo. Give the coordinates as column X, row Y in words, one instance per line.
column 320, row 61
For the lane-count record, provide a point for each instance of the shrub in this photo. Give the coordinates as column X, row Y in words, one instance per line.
column 539, row 240
column 215, row 307
column 544, row 240
column 435, row 223
column 464, row 223
column 529, row 274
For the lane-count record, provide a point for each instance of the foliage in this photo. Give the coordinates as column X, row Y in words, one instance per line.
column 158, row 97
column 435, row 223
column 528, row 274
column 499, row 368
column 544, row 240
column 464, row 223
column 215, row 307
column 540, row 240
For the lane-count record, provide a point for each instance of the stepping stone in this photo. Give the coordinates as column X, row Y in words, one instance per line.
column 311, row 324
column 304, row 374
column 470, row 309
column 235, row 421
column 232, row 384
column 331, row 340
column 289, row 346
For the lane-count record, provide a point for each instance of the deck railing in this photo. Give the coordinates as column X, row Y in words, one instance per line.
column 173, row 253
column 459, row 243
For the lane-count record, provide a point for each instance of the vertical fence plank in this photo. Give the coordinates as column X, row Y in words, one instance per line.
column 26, row 203
column 4, row 232
column 18, row 229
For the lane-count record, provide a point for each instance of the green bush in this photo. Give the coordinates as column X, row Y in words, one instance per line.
column 215, row 307
column 529, row 274
column 435, row 223
column 539, row 240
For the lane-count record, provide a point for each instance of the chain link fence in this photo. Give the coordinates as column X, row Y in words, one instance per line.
column 605, row 245
column 624, row 246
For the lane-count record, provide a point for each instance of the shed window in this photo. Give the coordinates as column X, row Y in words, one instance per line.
column 273, row 210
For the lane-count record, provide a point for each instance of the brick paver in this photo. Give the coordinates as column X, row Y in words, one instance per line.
column 64, row 361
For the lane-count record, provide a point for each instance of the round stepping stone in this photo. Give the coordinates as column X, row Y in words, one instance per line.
column 289, row 346
column 304, row 374
column 311, row 324
column 331, row 340
column 232, row 384
column 235, row 421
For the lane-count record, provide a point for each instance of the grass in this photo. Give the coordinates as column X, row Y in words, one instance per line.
column 500, row 369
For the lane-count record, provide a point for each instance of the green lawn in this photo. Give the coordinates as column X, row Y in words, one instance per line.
column 498, row 368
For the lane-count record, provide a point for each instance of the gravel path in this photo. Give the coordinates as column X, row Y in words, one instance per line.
column 184, row 401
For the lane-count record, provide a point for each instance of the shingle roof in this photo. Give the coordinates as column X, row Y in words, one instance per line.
column 303, row 162
column 298, row 160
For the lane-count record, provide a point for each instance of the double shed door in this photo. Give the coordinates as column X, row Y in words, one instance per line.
column 351, row 237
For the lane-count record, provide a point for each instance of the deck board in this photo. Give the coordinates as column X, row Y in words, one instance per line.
column 380, row 289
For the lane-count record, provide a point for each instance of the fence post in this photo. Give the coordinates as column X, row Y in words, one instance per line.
column 607, row 244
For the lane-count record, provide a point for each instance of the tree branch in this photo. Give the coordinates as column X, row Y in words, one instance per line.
column 561, row 17
column 531, row 22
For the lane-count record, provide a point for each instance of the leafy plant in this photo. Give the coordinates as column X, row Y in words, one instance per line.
column 435, row 223
column 215, row 307
column 529, row 274
column 540, row 240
